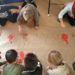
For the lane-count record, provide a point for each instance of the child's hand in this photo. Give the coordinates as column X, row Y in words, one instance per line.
column 36, row 27
column 63, row 26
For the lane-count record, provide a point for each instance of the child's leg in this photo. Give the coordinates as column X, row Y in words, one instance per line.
column 3, row 21
column 70, row 20
column 12, row 17
column 20, row 21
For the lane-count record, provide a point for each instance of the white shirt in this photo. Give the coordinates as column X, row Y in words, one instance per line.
column 66, row 9
column 60, row 70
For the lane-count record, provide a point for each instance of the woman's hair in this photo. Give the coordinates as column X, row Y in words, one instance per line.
column 55, row 57
column 11, row 56
column 30, row 61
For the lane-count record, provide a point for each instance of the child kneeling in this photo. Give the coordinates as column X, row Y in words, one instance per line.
column 30, row 15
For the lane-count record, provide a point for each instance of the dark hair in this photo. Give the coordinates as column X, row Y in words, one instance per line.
column 11, row 55
column 29, row 1
column 30, row 61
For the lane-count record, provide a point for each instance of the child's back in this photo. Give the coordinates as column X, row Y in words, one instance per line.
column 12, row 68
column 56, row 64
column 60, row 70
column 32, row 65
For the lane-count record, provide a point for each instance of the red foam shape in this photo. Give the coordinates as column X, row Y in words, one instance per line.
column 21, row 55
column 65, row 37
column 10, row 38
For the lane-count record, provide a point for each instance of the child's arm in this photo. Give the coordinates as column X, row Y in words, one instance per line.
column 62, row 23
column 20, row 29
column 61, row 15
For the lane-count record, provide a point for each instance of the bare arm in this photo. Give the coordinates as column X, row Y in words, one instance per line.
column 62, row 13
column 62, row 23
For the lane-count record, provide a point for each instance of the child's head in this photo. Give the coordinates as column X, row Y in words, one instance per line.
column 28, row 13
column 11, row 56
column 55, row 58
column 30, row 61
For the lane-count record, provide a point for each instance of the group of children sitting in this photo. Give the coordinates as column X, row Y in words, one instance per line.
column 33, row 66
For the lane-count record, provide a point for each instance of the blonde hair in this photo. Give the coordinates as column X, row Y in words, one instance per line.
column 55, row 58
column 28, row 12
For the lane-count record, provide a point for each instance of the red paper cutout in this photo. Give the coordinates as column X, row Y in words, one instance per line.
column 10, row 38
column 65, row 38
column 21, row 57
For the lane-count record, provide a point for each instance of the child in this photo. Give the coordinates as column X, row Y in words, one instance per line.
column 27, row 1
column 30, row 15
column 67, row 12
column 56, row 65
column 12, row 68
column 32, row 65
column 8, row 13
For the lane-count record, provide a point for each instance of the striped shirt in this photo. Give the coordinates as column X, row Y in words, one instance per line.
column 67, row 9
